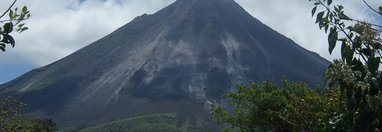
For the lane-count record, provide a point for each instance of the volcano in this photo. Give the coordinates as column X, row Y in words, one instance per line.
column 177, row 60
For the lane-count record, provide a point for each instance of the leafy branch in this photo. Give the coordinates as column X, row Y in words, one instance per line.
column 357, row 74
column 14, row 22
column 9, row 8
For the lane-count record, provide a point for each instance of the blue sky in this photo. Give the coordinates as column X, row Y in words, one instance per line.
column 65, row 26
column 10, row 71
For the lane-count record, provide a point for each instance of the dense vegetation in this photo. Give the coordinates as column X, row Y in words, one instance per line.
column 352, row 102
column 149, row 123
column 357, row 73
column 266, row 107
column 12, row 120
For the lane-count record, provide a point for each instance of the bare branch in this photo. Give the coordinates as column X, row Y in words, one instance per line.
column 367, row 4
column 16, row 21
column 10, row 7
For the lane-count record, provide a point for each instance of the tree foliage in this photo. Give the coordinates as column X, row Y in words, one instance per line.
column 357, row 73
column 12, row 120
column 265, row 107
column 13, row 22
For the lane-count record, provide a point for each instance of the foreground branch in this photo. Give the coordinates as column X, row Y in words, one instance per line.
column 10, row 7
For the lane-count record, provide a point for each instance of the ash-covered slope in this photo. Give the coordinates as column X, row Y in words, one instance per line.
column 176, row 60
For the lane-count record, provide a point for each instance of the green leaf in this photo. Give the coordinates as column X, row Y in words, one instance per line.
column 344, row 17
column 332, row 39
column 2, row 46
column 366, row 51
column 21, row 25
column 8, row 27
column 346, row 53
column 314, row 10
column 336, row 9
column 319, row 16
column 11, row 14
column 9, row 40
column 23, row 29
column 343, row 47
column 340, row 7
column 373, row 64
column 25, row 9
column 329, row 2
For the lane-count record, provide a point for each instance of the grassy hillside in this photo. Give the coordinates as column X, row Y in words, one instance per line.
column 148, row 123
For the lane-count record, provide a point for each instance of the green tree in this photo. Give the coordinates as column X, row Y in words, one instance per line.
column 29, row 125
column 13, row 22
column 12, row 120
column 357, row 73
column 265, row 107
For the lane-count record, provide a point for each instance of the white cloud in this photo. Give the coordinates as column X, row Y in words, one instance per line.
column 293, row 19
column 60, row 27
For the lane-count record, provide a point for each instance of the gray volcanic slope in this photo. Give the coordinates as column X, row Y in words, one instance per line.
column 179, row 59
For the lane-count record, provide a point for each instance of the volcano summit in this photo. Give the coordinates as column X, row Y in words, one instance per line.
column 177, row 60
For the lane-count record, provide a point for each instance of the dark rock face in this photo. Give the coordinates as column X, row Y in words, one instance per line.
column 179, row 59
